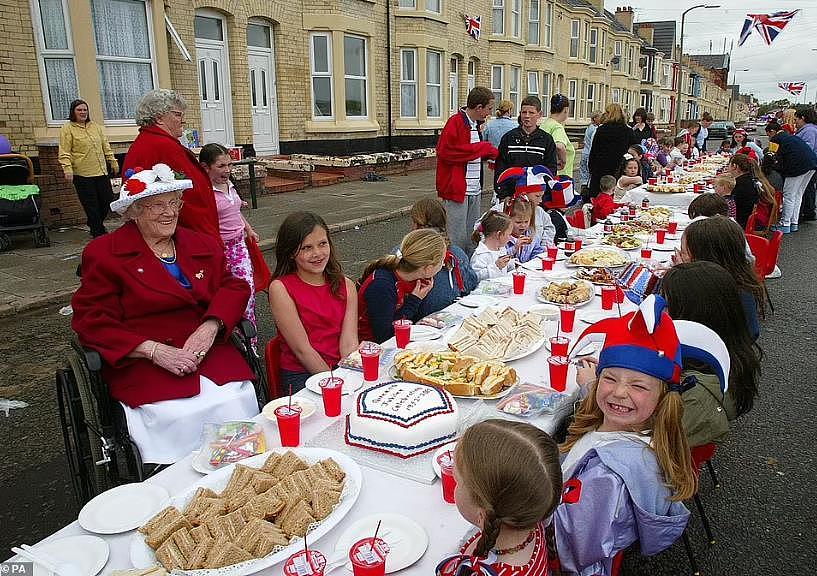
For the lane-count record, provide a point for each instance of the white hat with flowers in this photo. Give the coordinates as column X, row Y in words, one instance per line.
column 142, row 183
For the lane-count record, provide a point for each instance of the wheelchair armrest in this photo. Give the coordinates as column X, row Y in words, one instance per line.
column 93, row 360
column 246, row 329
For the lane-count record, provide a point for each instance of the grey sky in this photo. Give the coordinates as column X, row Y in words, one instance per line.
column 788, row 59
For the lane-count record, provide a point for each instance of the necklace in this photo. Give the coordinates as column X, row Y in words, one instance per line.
column 518, row 547
column 167, row 257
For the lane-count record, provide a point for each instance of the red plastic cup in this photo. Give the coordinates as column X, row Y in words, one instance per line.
column 553, row 252
column 646, row 253
column 698, row 188
column 331, row 390
column 370, row 355
column 547, row 263
column 402, row 332
column 632, row 210
column 557, row 367
column 446, row 462
column 559, row 345
column 660, row 236
column 652, row 181
column 669, row 179
column 577, row 244
column 570, row 246
column 305, row 563
column 608, row 297
column 625, row 217
column 619, row 294
column 289, row 424
column 368, row 557
column 672, row 227
column 518, row 283
column 567, row 316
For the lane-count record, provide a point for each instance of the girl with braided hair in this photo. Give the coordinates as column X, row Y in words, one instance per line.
column 508, row 484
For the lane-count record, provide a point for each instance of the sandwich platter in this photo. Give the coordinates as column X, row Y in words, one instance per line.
column 574, row 293
column 500, row 334
column 143, row 556
column 599, row 257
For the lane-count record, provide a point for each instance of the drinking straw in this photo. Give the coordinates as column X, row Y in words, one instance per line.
column 306, row 549
column 376, row 530
column 290, row 396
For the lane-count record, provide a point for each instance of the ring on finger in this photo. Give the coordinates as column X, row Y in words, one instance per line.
column 200, row 353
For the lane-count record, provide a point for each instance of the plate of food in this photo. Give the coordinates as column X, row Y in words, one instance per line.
column 597, row 276
column 575, row 293
column 623, row 241
column 500, row 334
column 272, row 490
column 599, row 257
column 462, row 376
column 667, row 188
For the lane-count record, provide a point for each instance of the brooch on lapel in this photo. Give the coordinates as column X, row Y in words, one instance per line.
column 140, row 270
column 200, row 274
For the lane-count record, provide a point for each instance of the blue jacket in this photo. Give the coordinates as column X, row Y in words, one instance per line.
column 622, row 499
column 795, row 157
column 808, row 133
column 497, row 128
column 528, row 252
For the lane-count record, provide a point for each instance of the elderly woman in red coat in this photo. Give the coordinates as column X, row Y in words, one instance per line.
column 158, row 303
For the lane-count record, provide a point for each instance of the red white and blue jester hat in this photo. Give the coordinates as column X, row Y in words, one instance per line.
column 530, row 179
column 649, row 341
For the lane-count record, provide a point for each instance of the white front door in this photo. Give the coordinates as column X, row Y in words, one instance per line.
column 211, row 90
column 453, row 87
column 262, row 101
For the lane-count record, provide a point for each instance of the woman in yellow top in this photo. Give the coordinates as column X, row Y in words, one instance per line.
column 85, row 157
column 554, row 125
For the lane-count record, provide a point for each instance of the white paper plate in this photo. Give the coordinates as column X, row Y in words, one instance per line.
column 122, row 508
column 549, row 311
column 351, row 380
column 308, row 407
column 665, row 247
column 476, row 301
column 88, row 553
column 407, row 540
column 421, row 333
column 434, row 464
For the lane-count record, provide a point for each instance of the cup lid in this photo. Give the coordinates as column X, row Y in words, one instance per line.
column 304, row 563
column 287, row 410
column 331, row 382
column 369, row 551
column 370, row 348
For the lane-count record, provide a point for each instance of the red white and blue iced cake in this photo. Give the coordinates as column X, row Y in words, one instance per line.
column 402, row 419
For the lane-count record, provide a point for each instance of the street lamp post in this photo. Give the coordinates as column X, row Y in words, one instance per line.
column 681, row 63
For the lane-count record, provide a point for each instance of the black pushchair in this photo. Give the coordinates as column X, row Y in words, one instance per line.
column 20, row 201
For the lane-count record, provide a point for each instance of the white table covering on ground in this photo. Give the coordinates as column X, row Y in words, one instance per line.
column 383, row 492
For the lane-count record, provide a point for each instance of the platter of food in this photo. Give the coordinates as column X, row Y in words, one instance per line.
column 667, row 188
column 497, row 334
column 598, row 257
column 576, row 293
column 462, row 376
column 597, row 276
column 251, row 515
column 623, row 241
column 658, row 212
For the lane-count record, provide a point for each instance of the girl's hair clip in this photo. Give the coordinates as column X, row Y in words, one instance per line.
column 628, row 156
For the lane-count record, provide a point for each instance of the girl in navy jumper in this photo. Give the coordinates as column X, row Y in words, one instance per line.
column 394, row 286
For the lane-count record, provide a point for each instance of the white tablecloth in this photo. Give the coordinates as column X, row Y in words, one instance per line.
column 383, row 492
column 637, row 195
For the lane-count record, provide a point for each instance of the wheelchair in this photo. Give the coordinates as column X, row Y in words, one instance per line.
column 99, row 450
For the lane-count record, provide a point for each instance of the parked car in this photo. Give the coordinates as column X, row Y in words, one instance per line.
column 750, row 126
column 721, row 130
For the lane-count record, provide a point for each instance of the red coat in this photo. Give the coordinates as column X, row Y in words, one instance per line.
column 454, row 151
column 155, row 145
column 603, row 206
column 127, row 297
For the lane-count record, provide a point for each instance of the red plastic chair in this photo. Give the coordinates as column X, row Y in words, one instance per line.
column 774, row 251
column 702, row 455
column 272, row 360
column 576, row 219
column 751, row 223
column 760, row 248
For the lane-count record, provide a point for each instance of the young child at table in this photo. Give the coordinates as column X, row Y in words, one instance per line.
column 523, row 244
column 532, row 182
column 677, row 155
column 724, row 184
column 313, row 304
column 491, row 258
column 508, row 484
column 392, row 287
column 627, row 464
column 726, row 147
column 603, row 204
column 663, row 156
column 629, row 175
column 707, row 204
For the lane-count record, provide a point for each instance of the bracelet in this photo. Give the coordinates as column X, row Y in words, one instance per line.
column 153, row 350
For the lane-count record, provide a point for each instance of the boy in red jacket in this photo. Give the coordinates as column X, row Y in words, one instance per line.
column 603, row 204
column 460, row 151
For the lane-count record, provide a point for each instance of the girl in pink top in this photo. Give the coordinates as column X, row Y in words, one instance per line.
column 314, row 305
column 233, row 227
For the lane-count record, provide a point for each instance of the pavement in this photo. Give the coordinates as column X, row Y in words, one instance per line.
column 31, row 277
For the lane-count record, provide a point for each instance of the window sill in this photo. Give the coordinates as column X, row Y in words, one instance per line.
column 537, row 48
column 408, row 13
column 507, row 39
column 342, row 126
column 416, row 124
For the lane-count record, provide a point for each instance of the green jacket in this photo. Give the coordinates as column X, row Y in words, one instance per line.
column 706, row 412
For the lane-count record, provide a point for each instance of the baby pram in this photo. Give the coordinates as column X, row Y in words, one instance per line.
column 20, row 201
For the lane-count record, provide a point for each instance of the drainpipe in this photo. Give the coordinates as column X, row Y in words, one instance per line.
column 388, row 75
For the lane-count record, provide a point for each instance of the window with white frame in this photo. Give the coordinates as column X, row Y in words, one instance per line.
column 498, row 17
column 320, row 55
column 630, row 61
column 645, row 62
column 408, row 83
column 643, row 100
column 533, row 83
column 434, row 94
column 591, row 98
column 434, row 6
column 580, row 101
column 616, row 96
column 603, row 54
column 533, row 22
column 571, row 94
column 586, row 41
column 496, row 81
column 594, row 45
column 546, row 84
column 355, row 76
column 574, row 38
column 472, row 75
column 124, row 57
column 666, row 79
column 549, row 24
column 516, row 18
column 56, row 57
column 513, row 86
column 407, row 4
column 453, row 85
column 618, row 54
column 627, row 101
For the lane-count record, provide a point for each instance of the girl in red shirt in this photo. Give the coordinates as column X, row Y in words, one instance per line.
column 508, row 483
column 314, row 305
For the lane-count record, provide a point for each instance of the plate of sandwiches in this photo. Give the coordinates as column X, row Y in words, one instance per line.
column 599, row 257
column 460, row 375
column 575, row 293
column 500, row 334
column 250, row 515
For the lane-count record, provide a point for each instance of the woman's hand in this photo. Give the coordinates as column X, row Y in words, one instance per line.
column 423, row 287
column 177, row 361
column 200, row 341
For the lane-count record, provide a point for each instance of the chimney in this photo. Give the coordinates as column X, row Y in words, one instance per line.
column 624, row 15
column 646, row 32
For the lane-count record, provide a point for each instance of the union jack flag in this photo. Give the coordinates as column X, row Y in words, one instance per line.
column 472, row 24
column 767, row 25
column 794, row 88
